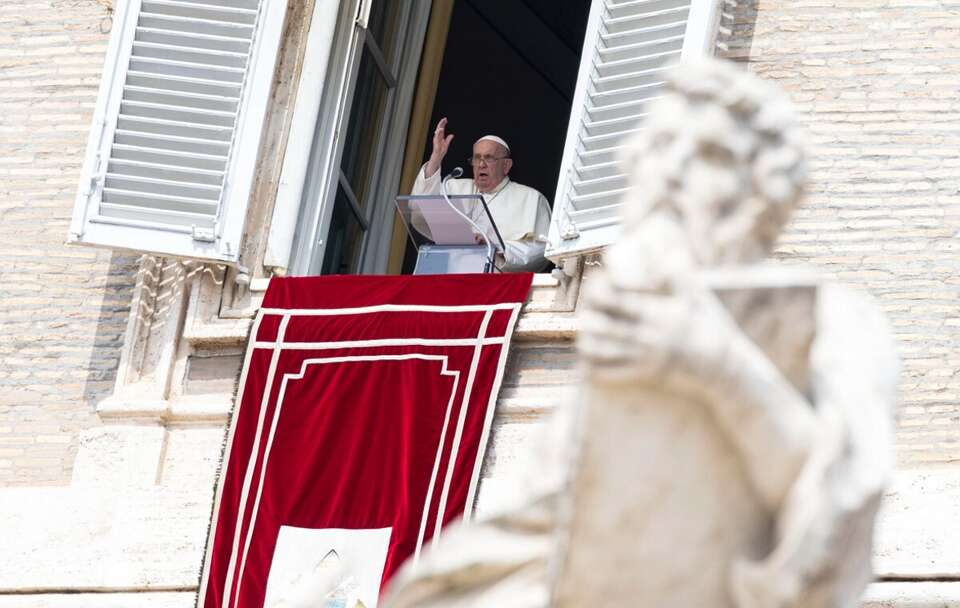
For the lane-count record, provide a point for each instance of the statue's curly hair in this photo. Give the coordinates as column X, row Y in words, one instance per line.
column 777, row 160
column 762, row 108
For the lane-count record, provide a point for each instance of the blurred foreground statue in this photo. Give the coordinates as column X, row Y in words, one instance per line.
column 732, row 442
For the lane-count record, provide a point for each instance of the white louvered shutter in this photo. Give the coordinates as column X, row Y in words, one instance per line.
column 628, row 46
column 172, row 152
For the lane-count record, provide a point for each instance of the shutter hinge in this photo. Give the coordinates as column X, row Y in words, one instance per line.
column 97, row 178
column 93, row 185
column 204, row 235
column 568, row 230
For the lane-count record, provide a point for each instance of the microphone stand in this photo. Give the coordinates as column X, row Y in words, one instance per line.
column 457, row 172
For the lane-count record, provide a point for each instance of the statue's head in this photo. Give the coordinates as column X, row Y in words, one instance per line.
column 721, row 150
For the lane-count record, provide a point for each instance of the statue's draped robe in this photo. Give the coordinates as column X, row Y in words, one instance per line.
column 815, row 554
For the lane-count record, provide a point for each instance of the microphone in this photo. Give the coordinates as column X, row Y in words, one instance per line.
column 456, row 173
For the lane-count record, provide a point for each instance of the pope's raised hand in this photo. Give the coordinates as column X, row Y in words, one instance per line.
column 441, row 144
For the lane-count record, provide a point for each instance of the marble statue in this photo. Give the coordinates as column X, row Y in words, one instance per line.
column 734, row 434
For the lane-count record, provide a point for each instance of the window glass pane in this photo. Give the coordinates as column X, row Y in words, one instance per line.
column 383, row 26
column 342, row 254
column 366, row 116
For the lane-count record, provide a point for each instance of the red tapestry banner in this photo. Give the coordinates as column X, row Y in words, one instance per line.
column 363, row 412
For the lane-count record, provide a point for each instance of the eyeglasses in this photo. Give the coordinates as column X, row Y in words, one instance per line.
column 477, row 160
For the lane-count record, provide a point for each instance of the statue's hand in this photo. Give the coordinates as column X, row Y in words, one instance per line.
column 674, row 337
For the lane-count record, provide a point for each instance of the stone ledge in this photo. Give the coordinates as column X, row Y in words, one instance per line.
column 213, row 407
column 534, row 403
column 102, row 599
column 918, row 531
column 129, row 406
column 225, row 332
column 919, row 594
column 546, row 326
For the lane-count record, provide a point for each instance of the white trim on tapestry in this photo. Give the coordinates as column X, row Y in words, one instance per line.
column 457, row 435
column 315, row 312
column 436, row 469
column 488, row 422
column 251, row 464
column 276, row 418
column 218, row 496
column 380, row 342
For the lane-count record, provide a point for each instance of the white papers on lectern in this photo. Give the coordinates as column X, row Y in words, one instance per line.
column 431, row 216
column 444, row 225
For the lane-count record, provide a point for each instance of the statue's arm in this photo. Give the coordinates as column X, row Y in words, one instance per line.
column 769, row 422
column 683, row 340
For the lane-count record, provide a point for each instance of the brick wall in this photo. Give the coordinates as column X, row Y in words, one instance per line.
column 62, row 309
column 877, row 82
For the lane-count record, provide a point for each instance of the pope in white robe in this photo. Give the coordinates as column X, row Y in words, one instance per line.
column 521, row 213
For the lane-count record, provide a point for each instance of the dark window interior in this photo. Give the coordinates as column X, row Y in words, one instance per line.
column 510, row 69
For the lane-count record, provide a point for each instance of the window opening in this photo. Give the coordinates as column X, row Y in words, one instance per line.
column 509, row 69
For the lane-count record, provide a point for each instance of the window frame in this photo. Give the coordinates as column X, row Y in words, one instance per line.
column 323, row 173
column 361, row 214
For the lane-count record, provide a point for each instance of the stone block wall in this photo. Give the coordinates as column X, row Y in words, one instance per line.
column 63, row 309
column 876, row 83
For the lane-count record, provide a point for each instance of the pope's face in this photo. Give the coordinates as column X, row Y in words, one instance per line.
column 488, row 174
